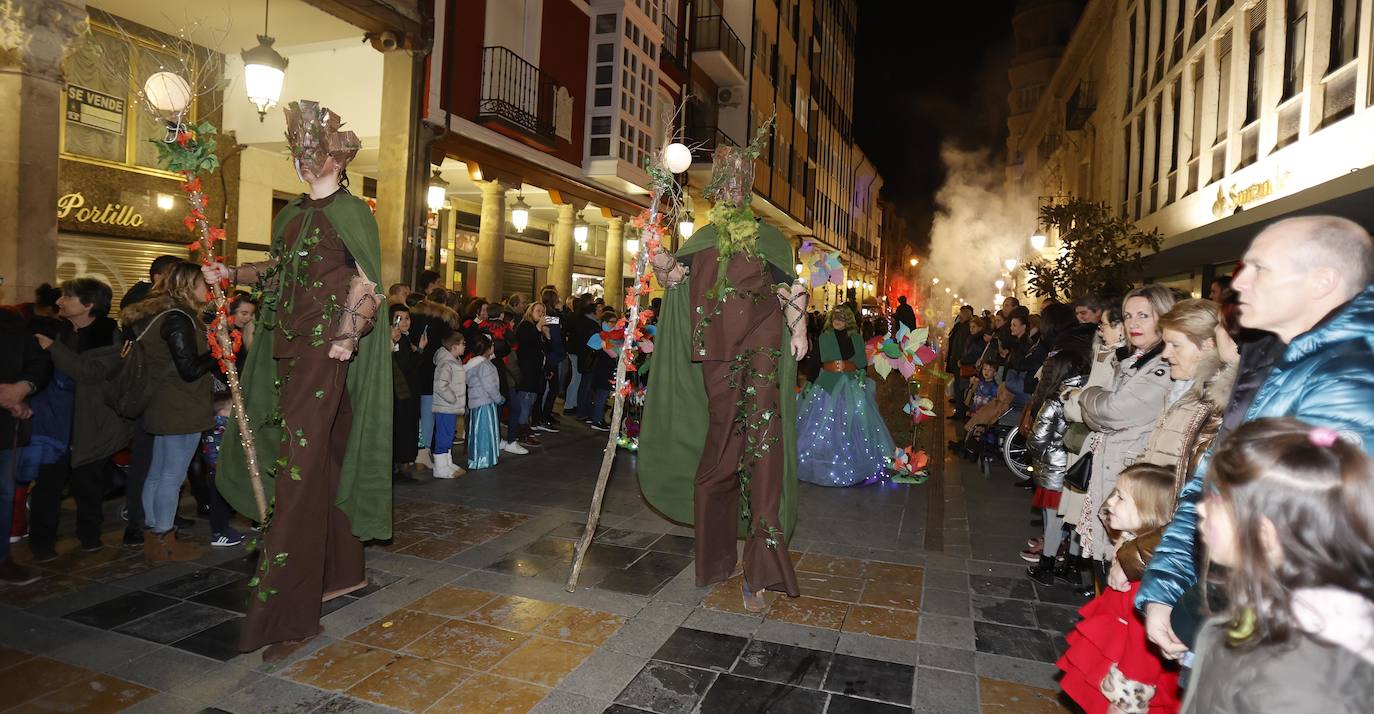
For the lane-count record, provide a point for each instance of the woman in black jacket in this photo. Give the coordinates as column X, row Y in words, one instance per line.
column 531, row 355
column 180, row 366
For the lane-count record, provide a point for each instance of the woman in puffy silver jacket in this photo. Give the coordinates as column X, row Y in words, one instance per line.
column 1063, row 370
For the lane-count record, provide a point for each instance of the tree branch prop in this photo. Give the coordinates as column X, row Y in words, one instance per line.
column 651, row 227
column 192, row 154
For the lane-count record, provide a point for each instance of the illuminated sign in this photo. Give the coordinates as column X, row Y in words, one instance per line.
column 73, row 206
column 1236, row 197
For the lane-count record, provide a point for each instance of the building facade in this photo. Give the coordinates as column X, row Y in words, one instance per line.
column 86, row 194
column 1206, row 119
column 555, row 106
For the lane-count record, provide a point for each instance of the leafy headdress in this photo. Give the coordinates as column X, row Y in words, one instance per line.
column 313, row 133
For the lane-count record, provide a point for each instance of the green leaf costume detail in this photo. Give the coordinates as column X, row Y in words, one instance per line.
column 364, row 493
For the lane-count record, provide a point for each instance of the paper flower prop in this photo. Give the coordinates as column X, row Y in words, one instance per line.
column 920, row 409
column 904, row 353
column 909, row 465
column 824, row 267
column 608, row 340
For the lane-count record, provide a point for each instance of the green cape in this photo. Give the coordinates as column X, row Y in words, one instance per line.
column 672, row 435
column 365, row 484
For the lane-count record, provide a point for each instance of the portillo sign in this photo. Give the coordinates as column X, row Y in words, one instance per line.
column 72, row 206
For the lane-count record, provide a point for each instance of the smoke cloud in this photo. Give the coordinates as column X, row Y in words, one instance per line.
column 979, row 223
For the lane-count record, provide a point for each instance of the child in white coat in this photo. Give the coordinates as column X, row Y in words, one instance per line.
column 450, row 402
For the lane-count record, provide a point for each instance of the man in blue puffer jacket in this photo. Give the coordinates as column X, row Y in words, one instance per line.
column 1308, row 281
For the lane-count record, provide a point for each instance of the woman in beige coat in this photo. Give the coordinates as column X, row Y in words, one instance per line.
column 1123, row 414
column 1203, row 376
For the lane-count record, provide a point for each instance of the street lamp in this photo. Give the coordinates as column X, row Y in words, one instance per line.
column 1010, row 263
column 263, row 71
column 999, row 283
column 438, row 191
column 520, row 213
column 1038, row 241
column 580, row 233
column 934, row 281
column 799, row 269
column 914, row 262
column 687, row 225
column 946, row 291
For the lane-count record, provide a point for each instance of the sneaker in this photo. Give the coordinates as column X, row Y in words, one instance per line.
column 542, row 427
column 600, row 427
column 226, row 538
column 92, row 547
column 514, row 448
column 1031, row 556
column 44, row 555
column 12, row 573
column 15, row 539
column 133, row 536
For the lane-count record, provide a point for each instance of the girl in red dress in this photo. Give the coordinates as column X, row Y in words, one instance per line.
column 1110, row 666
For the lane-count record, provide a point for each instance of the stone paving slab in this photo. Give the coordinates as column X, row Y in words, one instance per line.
column 466, row 610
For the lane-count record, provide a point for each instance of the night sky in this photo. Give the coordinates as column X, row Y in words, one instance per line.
column 929, row 72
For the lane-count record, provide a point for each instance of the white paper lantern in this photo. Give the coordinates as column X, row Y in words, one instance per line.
column 167, row 92
column 677, row 157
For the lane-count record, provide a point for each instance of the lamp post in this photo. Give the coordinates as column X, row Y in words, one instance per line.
column 1038, row 241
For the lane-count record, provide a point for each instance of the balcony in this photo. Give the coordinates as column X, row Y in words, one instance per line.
column 672, row 44
column 1080, row 107
column 518, row 95
column 719, row 51
column 708, row 137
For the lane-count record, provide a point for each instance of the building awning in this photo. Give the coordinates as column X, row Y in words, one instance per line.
column 1224, row 241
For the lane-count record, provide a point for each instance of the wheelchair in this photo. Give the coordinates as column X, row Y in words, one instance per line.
column 1003, row 441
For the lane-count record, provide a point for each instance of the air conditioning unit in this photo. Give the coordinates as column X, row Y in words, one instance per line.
column 729, row 96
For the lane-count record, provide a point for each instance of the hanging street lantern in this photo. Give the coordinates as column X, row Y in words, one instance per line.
column 520, row 213
column 437, row 193
column 263, row 71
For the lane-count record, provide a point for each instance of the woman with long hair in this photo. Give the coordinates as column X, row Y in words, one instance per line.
column 1122, row 415
column 531, row 339
column 180, row 365
column 841, row 438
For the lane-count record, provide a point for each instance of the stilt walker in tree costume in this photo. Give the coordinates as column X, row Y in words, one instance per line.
column 718, row 441
column 318, row 398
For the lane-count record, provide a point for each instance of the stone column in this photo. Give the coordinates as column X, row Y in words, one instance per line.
column 560, row 275
column 615, row 265
column 34, row 38
column 491, row 241
column 448, row 239
column 394, row 189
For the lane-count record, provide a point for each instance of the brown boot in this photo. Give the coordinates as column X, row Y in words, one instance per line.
column 174, row 550
column 153, row 547
column 527, row 437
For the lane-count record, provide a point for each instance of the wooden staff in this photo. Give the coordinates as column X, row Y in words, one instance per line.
column 618, row 410
column 220, row 334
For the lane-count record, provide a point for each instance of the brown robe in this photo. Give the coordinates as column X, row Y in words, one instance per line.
column 739, row 353
column 309, row 548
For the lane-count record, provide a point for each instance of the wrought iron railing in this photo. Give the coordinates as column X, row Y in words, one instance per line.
column 712, row 34
column 709, row 136
column 672, row 42
column 517, row 92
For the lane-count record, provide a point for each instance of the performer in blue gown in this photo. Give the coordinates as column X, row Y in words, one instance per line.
column 841, row 439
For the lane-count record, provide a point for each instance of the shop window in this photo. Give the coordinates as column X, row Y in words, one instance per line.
column 105, row 119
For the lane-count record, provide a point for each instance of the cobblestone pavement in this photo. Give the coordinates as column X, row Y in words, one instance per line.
column 913, row 600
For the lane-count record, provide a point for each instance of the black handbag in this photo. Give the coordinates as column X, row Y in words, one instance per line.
column 1079, row 474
